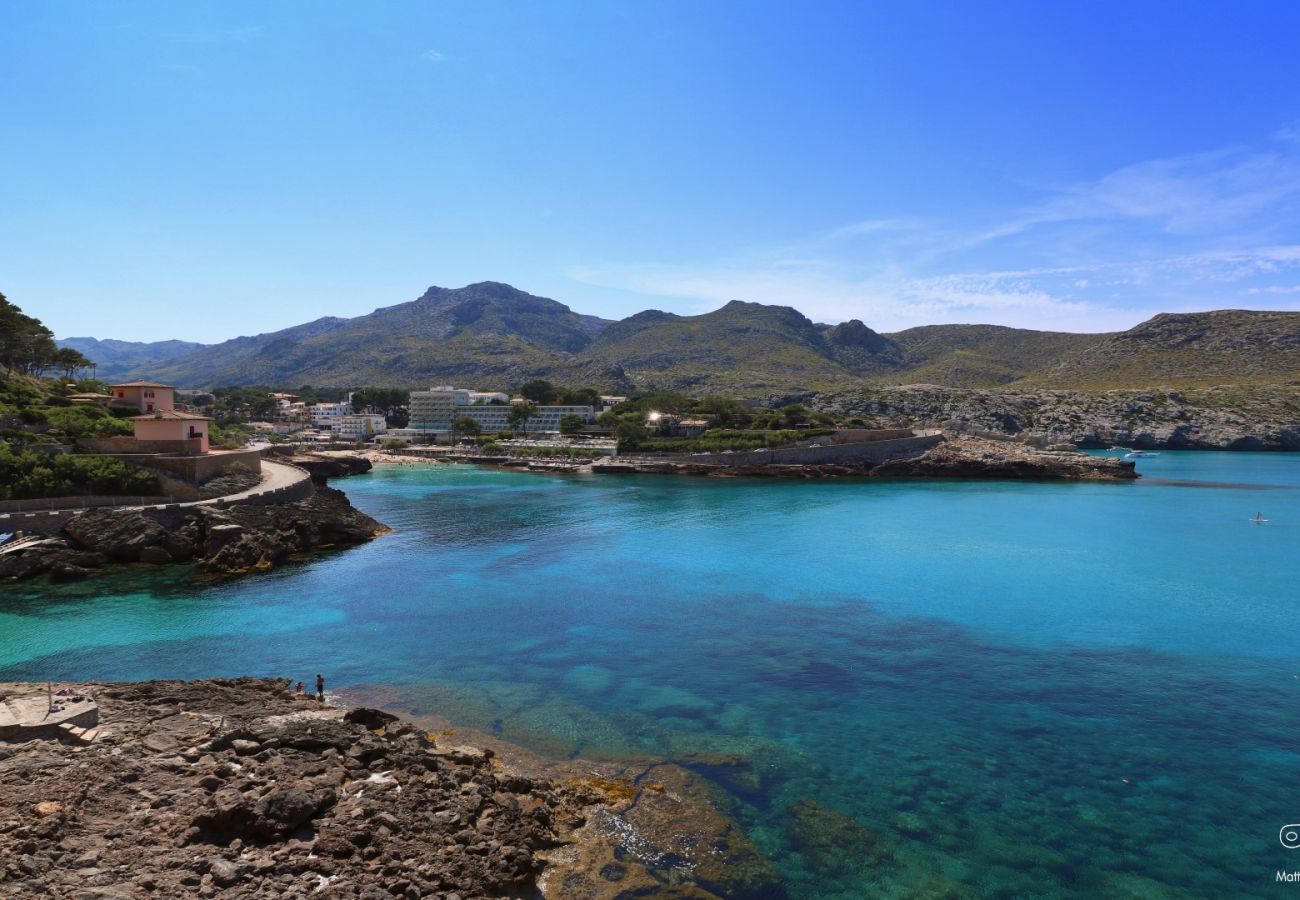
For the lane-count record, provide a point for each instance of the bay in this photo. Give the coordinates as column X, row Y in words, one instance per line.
column 1012, row 689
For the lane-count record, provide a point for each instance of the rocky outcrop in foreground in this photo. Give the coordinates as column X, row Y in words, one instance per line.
column 239, row 789
column 229, row 541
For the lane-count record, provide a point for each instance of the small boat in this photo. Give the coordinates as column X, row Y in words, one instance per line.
column 1121, row 449
column 1259, row 519
column 1139, row 454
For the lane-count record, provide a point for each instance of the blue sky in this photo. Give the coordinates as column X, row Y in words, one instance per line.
column 202, row 170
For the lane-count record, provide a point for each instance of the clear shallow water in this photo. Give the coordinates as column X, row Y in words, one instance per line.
column 1022, row 689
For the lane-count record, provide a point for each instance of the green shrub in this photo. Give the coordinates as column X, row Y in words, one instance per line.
column 86, row 420
column 552, row 453
column 231, row 437
column 27, row 476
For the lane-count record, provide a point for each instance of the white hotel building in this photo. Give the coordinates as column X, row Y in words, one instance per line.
column 432, row 412
column 329, row 415
column 360, row 427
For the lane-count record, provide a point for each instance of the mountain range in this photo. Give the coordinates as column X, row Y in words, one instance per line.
column 492, row 335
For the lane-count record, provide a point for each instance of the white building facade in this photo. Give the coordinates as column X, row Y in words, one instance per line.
column 360, row 427
column 328, row 415
column 433, row 411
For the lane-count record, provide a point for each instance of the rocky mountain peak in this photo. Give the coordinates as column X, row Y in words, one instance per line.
column 854, row 333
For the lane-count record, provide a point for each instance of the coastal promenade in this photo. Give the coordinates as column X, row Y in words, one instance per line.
column 281, row 482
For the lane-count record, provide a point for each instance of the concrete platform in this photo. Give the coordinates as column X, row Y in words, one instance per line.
column 25, row 713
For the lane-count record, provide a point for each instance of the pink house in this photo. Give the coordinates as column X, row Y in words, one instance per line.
column 172, row 425
column 147, row 396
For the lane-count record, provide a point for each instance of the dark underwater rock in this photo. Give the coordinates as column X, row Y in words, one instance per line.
column 835, row 845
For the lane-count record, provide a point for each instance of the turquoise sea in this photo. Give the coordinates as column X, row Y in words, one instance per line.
column 1019, row 689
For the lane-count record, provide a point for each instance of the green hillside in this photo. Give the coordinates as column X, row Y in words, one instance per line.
column 491, row 335
column 980, row 355
column 747, row 348
column 1227, row 346
column 116, row 358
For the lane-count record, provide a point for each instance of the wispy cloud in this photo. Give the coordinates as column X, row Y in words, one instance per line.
column 874, row 227
column 434, row 55
column 1198, row 231
column 1112, row 296
column 1197, row 194
column 237, row 34
column 889, row 302
column 1274, row 290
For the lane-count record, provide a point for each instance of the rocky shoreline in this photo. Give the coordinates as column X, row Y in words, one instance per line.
column 239, row 788
column 324, row 466
column 976, row 458
column 238, row 539
column 958, row 457
column 1229, row 417
column 218, row 541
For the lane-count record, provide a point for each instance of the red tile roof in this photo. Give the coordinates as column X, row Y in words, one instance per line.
column 171, row 414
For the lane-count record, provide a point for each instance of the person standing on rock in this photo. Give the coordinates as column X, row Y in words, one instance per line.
column 320, row 687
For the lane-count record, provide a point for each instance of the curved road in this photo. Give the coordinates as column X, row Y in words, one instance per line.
column 274, row 476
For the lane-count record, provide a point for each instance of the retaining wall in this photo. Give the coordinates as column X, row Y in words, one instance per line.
column 861, row 435
column 50, row 521
column 77, row 502
column 193, row 468
column 123, row 444
column 299, row 490
column 201, row 468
